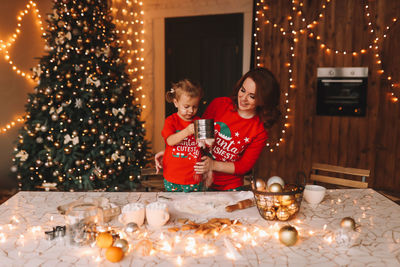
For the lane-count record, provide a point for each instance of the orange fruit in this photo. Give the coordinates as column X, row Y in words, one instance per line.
column 114, row 254
column 104, row 240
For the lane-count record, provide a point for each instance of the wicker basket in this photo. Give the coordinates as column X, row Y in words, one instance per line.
column 281, row 206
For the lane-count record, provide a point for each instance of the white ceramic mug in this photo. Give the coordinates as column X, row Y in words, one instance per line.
column 133, row 212
column 157, row 214
column 314, row 194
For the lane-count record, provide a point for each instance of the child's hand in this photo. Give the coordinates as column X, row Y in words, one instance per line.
column 158, row 158
column 190, row 129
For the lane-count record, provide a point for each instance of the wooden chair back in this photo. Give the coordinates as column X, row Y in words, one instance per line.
column 151, row 180
column 338, row 175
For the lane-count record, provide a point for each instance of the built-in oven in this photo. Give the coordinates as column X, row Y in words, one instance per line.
column 342, row 91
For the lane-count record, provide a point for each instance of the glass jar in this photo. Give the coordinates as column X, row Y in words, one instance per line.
column 81, row 222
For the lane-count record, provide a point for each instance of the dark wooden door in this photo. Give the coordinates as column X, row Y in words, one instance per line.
column 207, row 49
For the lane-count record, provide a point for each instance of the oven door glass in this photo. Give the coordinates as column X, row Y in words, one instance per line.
column 341, row 97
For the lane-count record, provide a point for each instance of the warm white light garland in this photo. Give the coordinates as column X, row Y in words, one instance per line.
column 5, row 45
column 129, row 18
column 132, row 43
column 292, row 35
column 375, row 48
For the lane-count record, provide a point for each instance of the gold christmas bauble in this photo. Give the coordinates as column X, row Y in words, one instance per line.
column 260, row 184
column 293, row 208
column 288, row 235
column 282, row 213
column 275, row 188
column 348, row 223
column 286, row 200
column 270, row 214
column 276, row 202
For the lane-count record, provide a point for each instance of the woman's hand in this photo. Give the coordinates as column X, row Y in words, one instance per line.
column 203, row 166
column 158, row 158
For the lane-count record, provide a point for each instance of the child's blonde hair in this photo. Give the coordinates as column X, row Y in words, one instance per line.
column 191, row 88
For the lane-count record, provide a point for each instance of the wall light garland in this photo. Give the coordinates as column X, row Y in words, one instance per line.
column 130, row 20
column 375, row 46
column 6, row 45
column 372, row 46
column 262, row 7
column 132, row 43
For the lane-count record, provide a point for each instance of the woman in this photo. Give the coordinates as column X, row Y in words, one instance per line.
column 241, row 128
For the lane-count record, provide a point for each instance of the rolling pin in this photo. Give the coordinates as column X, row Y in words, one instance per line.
column 243, row 204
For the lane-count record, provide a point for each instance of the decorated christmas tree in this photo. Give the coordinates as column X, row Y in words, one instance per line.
column 82, row 128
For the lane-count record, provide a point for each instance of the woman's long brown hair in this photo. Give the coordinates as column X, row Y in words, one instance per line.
column 267, row 95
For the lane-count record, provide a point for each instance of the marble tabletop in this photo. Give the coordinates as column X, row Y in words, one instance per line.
column 376, row 241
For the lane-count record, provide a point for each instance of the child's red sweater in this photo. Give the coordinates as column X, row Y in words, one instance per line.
column 179, row 160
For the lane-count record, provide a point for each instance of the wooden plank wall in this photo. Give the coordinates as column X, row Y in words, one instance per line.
column 370, row 142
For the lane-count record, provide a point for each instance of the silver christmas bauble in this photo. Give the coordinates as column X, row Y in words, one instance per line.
column 131, row 227
column 121, row 243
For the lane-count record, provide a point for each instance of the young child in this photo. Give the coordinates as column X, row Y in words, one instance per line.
column 181, row 152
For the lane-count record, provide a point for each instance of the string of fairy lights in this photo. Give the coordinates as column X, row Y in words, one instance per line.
column 374, row 45
column 129, row 20
column 128, row 17
column 5, row 45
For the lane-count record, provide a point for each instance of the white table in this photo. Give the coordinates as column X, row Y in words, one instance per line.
column 25, row 216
